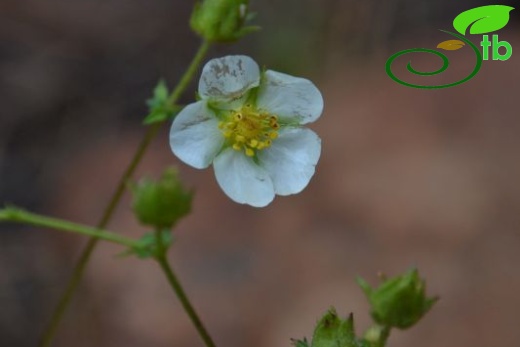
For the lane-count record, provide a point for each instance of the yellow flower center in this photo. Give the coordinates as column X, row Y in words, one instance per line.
column 249, row 130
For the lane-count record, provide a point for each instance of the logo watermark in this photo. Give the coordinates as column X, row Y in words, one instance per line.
column 480, row 21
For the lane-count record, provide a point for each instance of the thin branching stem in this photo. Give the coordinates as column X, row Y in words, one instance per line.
column 81, row 265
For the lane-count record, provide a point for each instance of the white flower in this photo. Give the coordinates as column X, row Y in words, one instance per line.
column 247, row 124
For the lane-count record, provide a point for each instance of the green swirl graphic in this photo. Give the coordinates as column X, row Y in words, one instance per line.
column 445, row 64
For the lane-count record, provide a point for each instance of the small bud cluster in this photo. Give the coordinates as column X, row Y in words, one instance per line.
column 397, row 303
column 221, row 20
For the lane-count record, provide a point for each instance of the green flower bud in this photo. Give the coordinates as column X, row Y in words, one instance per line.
column 398, row 302
column 221, row 20
column 300, row 343
column 161, row 203
column 333, row 331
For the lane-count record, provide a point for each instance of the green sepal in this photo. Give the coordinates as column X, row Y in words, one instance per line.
column 149, row 246
column 332, row 331
column 247, row 30
column 398, row 302
column 300, row 343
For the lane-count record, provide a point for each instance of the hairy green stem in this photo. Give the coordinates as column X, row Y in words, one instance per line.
column 20, row 216
column 179, row 291
column 81, row 265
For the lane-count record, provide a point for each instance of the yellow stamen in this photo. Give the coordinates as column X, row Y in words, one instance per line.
column 228, row 133
column 249, row 130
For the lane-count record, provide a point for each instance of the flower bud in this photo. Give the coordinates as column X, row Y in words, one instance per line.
column 300, row 343
column 333, row 331
column 161, row 203
column 400, row 301
column 221, row 20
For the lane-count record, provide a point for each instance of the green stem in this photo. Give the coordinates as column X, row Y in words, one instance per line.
column 179, row 291
column 188, row 75
column 81, row 265
column 20, row 216
column 161, row 248
column 377, row 335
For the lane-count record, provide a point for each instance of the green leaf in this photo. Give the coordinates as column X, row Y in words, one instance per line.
column 482, row 20
column 161, row 115
column 155, row 117
column 161, row 91
column 160, row 95
column 160, row 110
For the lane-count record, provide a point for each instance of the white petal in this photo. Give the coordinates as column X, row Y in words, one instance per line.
column 229, row 77
column 242, row 179
column 291, row 159
column 290, row 98
column 195, row 137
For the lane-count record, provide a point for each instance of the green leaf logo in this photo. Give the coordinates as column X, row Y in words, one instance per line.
column 483, row 20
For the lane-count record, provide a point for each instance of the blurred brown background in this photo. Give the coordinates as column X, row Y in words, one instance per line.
column 407, row 177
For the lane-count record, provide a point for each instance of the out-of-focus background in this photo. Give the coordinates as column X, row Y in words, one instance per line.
column 408, row 177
